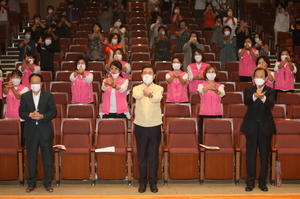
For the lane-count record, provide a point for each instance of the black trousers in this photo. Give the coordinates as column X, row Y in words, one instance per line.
column 114, row 115
column 263, row 143
column 32, row 147
column 200, row 126
column 147, row 143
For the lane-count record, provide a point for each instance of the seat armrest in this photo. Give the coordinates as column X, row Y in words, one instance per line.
column 93, row 148
column 166, row 148
column 129, row 149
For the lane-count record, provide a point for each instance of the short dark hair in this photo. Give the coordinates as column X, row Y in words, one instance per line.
column 113, row 34
column 30, row 54
column 149, row 66
column 257, row 69
column 197, row 36
column 50, row 7
column 37, row 75
column 181, row 22
column 81, row 57
column 200, row 52
column 265, row 58
column 96, row 24
column 28, row 30
column 163, row 27
column 36, row 16
column 17, row 73
column 225, row 28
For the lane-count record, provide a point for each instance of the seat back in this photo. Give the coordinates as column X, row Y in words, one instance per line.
column 177, row 110
column 10, row 134
column 288, row 134
column 279, row 111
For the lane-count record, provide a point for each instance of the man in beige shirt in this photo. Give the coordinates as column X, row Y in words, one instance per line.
column 148, row 120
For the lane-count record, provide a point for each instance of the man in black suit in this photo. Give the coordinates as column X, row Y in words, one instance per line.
column 258, row 125
column 37, row 108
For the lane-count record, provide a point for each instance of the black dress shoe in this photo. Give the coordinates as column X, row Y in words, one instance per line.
column 30, row 188
column 263, row 188
column 142, row 188
column 49, row 189
column 249, row 188
column 153, row 188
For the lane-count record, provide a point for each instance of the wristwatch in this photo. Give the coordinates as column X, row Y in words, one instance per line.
column 216, row 91
column 115, row 86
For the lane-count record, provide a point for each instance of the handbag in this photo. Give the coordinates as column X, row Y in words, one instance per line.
column 95, row 55
column 278, row 180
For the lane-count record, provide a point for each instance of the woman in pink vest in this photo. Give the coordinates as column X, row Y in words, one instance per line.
column 12, row 92
column 177, row 83
column 248, row 56
column 285, row 72
column 195, row 70
column 28, row 67
column 114, row 100
column 82, row 83
column 118, row 55
column 211, row 94
column 264, row 62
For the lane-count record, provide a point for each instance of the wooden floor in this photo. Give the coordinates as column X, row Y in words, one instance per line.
column 228, row 196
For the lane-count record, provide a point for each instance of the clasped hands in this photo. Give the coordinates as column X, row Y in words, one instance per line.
column 36, row 115
column 212, row 87
column 259, row 93
column 146, row 92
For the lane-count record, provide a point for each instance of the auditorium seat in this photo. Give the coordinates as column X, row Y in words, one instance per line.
column 286, row 149
column 218, row 132
column 112, row 132
column 63, row 75
column 138, row 65
column 229, row 86
column 163, row 65
column 181, row 152
column 231, row 98
column 68, row 65
column 77, row 161
column 11, row 153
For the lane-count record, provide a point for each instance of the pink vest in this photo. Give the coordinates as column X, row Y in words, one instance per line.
column 82, row 92
column 122, row 105
column 13, row 104
column 1, row 93
column 268, row 83
column 193, row 85
column 284, row 78
column 210, row 102
column 247, row 64
column 26, row 74
column 125, row 75
column 176, row 91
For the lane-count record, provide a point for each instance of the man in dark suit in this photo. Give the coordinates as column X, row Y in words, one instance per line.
column 37, row 108
column 258, row 125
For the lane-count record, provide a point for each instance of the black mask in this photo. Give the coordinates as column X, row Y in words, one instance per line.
column 53, row 26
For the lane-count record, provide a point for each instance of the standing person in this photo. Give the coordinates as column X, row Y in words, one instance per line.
column 292, row 10
column 82, row 83
column 148, row 120
column 182, row 36
column 38, row 28
column 282, row 21
column 175, row 18
column 4, row 20
column 228, row 52
column 162, row 45
column 242, row 32
column 177, row 83
column 118, row 56
column 209, row 15
column 105, row 18
column 199, row 9
column 64, row 27
column 28, row 67
column 285, row 71
column 71, row 11
column 195, row 70
column 230, row 21
column 154, row 29
column 120, row 29
column 296, row 33
column 190, row 47
column 217, row 36
column 109, row 47
column 223, row 8
column 262, row 48
column 50, row 15
column 211, row 94
column 27, row 45
column 37, row 108
column 115, row 103
column 258, row 126
column 95, row 44
column 46, row 49
column 248, row 56
column 1, row 81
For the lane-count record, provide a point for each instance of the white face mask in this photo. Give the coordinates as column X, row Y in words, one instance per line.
column 31, row 61
column 249, row 44
column 114, row 41
column 176, row 11
column 118, row 23
column 229, row 13
column 259, row 82
column 147, row 79
column 15, row 81
column 198, row 58
column 256, row 39
column 176, row 66
column 48, row 42
column 283, row 57
column 211, row 76
column 35, row 87
column 115, row 75
column 78, row 66
column 227, row 32
column 50, row 11
column 119, row 56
